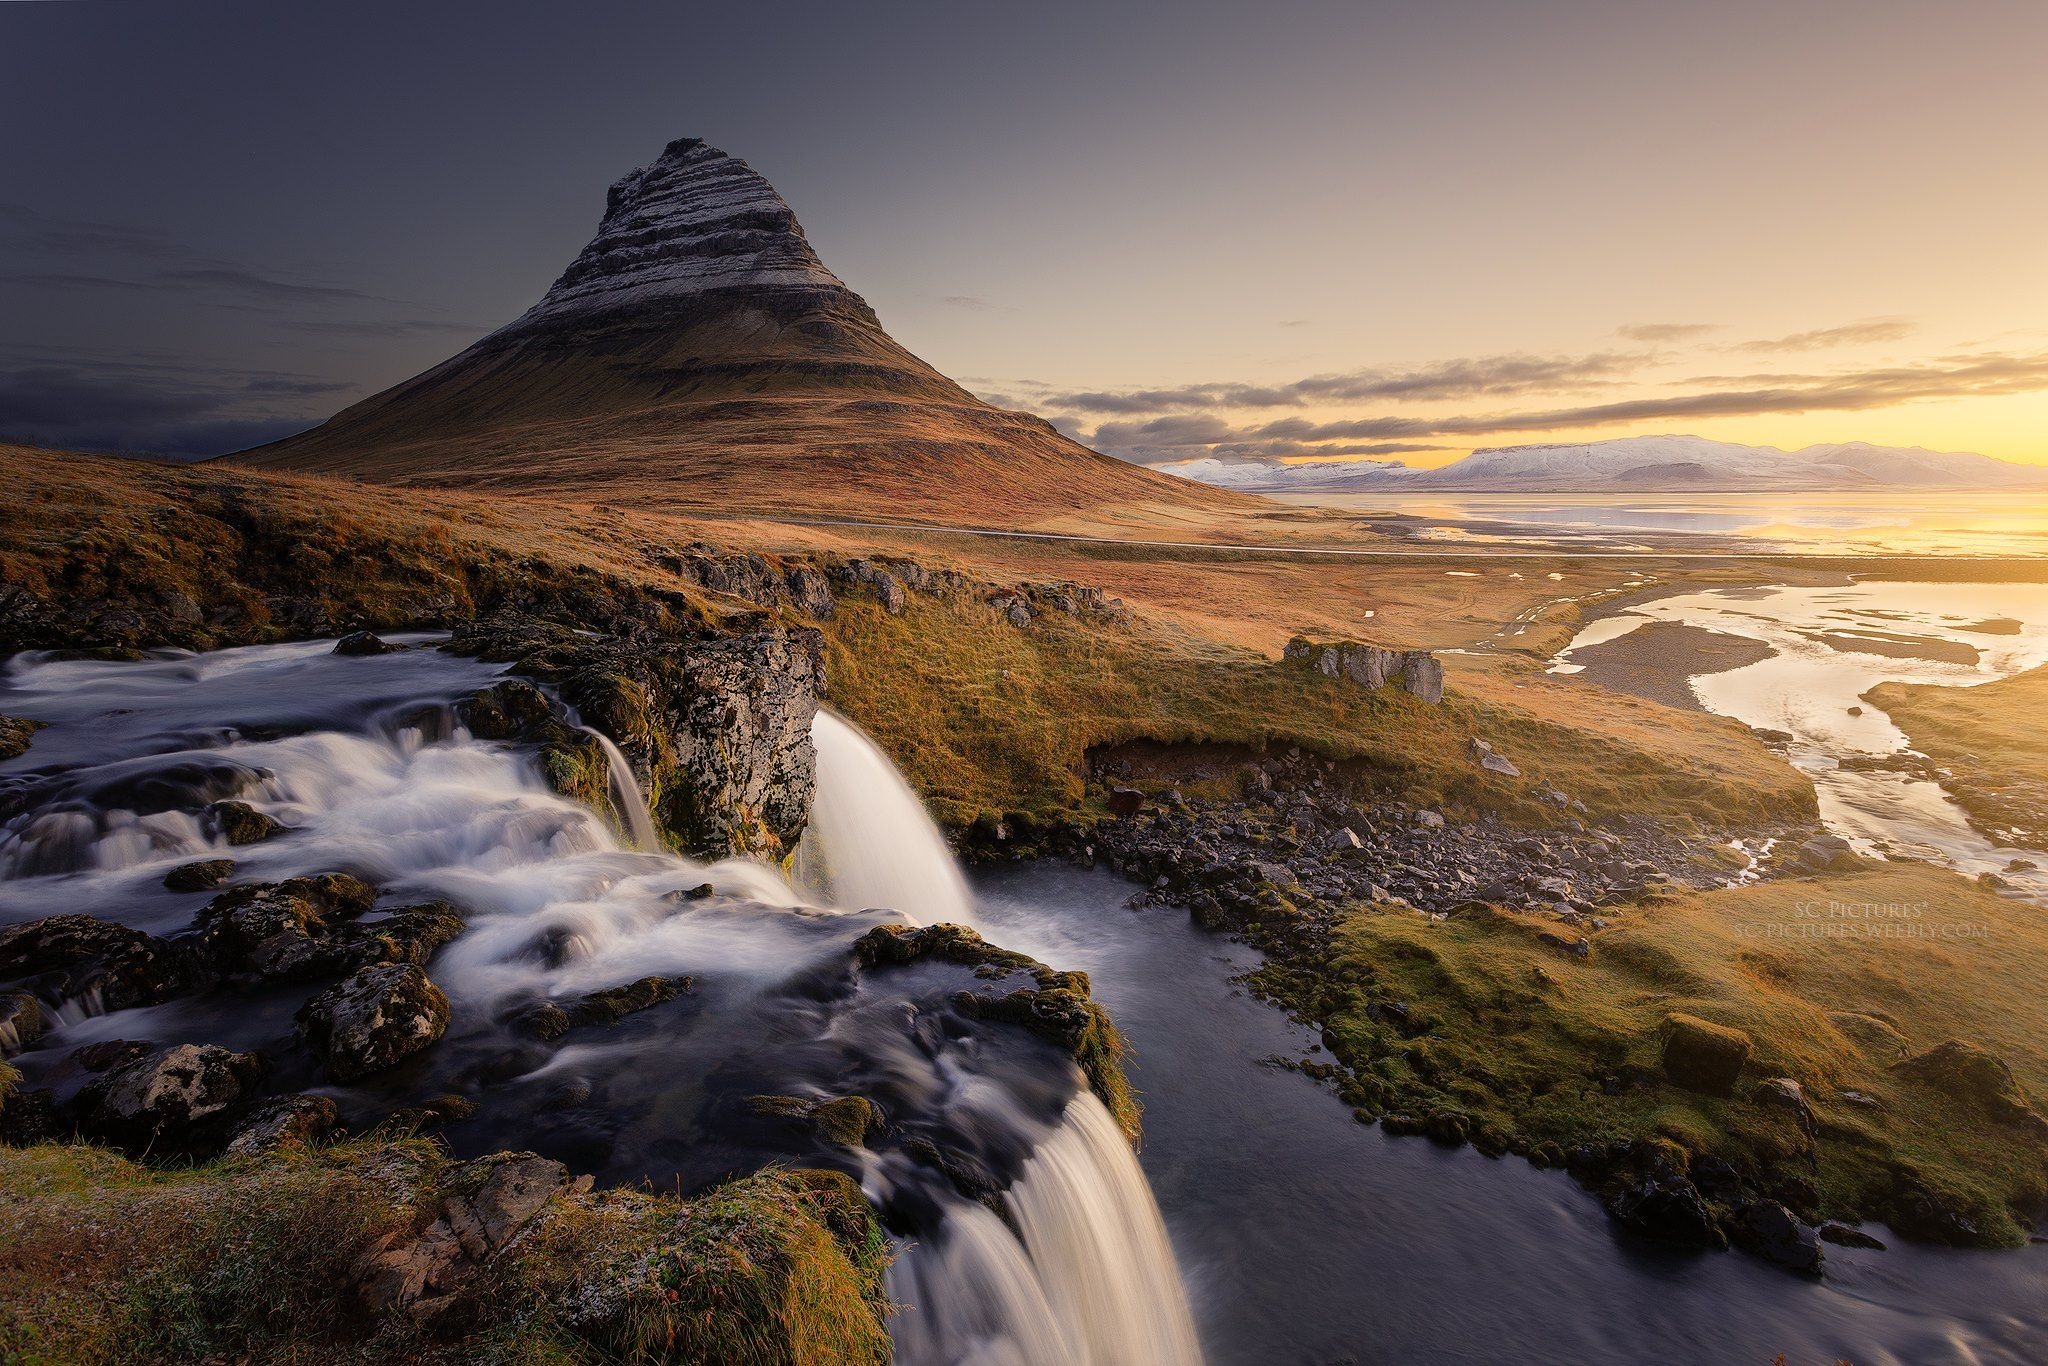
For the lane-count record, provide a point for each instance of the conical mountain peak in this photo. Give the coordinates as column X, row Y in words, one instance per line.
column 693, row 223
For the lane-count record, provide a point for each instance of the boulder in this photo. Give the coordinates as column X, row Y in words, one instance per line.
column 1969, row 1073
column 1371, row 666
column 107, row 966
column 486, row 1204
column 202, row 876
column 1703, row 1056
column 374, row 1019
column 1826, row 854
column 284, row 931
column 1492, row 760
column 1774, row 1233
column 284, row 1121
column 1783, row 1093
column 1125, row 801
column 174, row 1097
column 21, row 1021
column 1668, row 1208
column 364, row 643
column 844, row 1120
column 1844, row 1235
column 240, row 823
column 613, row 1004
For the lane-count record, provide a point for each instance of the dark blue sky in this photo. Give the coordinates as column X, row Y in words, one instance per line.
column 222, row 220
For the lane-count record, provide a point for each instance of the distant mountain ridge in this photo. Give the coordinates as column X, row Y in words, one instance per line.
column 1637, row 464
column 697, row 353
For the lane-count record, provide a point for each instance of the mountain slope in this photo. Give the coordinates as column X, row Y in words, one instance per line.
column 698, row 353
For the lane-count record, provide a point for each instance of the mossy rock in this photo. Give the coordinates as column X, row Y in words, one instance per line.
column 1703, row 1056
column 844, row 1120
column 15, row 734
column 240, row 823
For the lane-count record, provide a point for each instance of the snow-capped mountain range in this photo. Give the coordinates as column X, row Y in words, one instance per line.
column 1635, row 464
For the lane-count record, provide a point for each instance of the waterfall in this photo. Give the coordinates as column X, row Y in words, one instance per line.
column 762, row 998
column 1088, row 1278
column 625, row 790
column 870, row 842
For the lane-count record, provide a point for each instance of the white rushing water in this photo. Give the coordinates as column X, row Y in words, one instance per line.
column 377, row 777
column 1094, row 1282
column 1830, row 646
column 870, row 841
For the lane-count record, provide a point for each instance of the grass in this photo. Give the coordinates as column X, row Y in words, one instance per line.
column 107, row 1260
column 988, row 720
column 1835, row 981
column 1991, row 739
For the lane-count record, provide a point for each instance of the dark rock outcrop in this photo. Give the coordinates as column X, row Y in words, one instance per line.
column 364, row 643
column 76, row 957
column 716, row 731
column 1973, row 1075
column 1774, row 1233
column 485, row 1206
column 374, row 1019
column 173, row 1097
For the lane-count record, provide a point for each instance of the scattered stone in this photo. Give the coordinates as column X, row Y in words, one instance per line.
column 364, row 643
column 202, row 876
column 1844, row 1235
column 1492, row 760
column 1826, row 854
column 703, row 891
column 1125, row 801
column 1703, row 1056
column 374, row 1019
column 286, row 1121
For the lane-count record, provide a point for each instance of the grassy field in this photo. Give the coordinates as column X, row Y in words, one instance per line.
column 1991, row 739
column 1835, row 981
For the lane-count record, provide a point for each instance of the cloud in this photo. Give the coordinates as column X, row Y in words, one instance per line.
column 1474, row 377
column 387, row 328
column 970, row 302
column 1851, row 334
column 1666, row 332
column 1179, row 435
column 147, row 409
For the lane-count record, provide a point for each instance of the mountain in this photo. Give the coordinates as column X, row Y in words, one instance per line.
column 1637, row 464
column 698, row 354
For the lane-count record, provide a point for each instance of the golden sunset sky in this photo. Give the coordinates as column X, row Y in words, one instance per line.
column 1290, row 230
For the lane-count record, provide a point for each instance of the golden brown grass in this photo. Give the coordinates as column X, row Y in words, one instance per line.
column 1993, row 741
column 1835, row 980
column 106, row 1261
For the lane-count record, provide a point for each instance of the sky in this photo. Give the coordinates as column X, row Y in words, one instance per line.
column 1254, row 231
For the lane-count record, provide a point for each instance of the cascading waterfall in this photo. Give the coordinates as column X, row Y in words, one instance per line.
column 625, row 790
column 1087, row 1279
column 870, row 840
column 363, row 764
